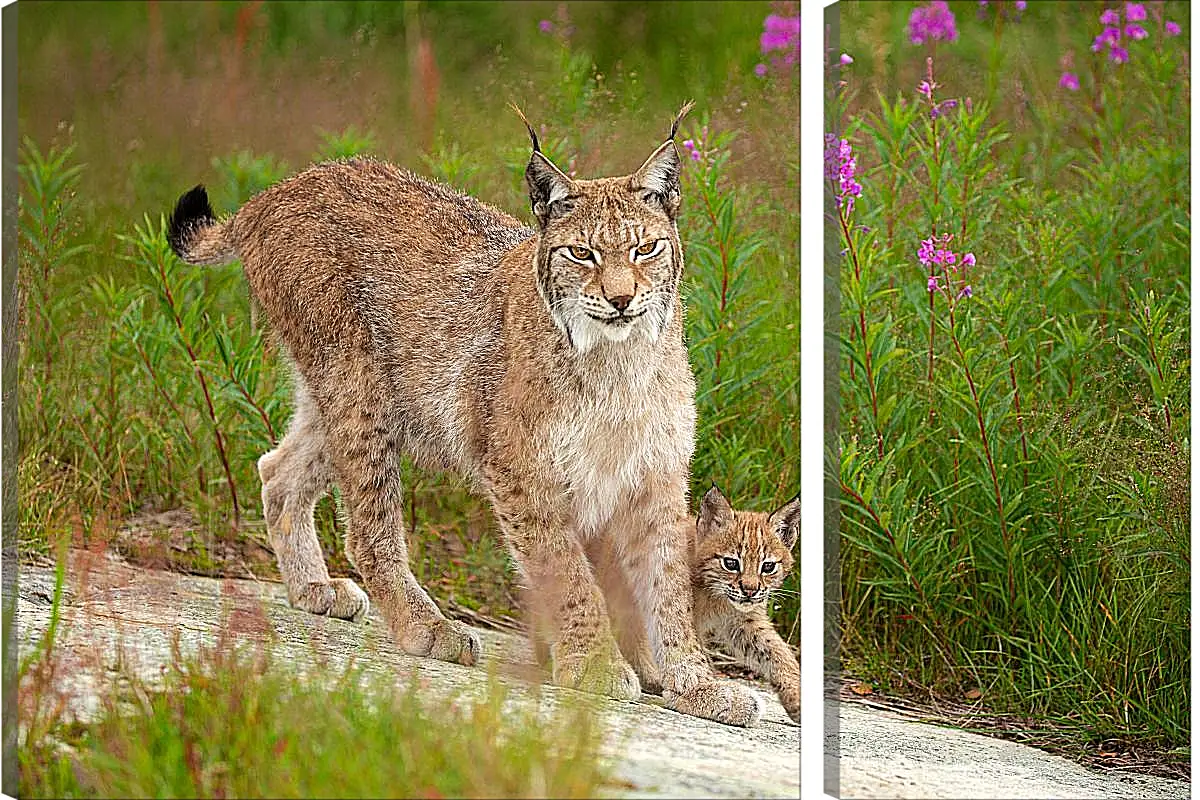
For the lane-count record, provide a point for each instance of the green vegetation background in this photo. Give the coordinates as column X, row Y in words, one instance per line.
column 1014, row 478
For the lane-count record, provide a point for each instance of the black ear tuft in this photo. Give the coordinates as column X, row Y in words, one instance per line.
column 528, row 127
column 191, row 212
column 683, row 112
column 786, row 522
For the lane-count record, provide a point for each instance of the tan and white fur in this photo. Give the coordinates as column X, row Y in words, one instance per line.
column 545, row 365
column 738, row 558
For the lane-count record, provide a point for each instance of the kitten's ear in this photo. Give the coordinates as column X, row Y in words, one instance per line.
column 547, row 183
column 786, row 522
column 715, row 513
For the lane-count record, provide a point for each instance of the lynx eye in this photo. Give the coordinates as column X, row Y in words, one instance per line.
column 580, row 254
column 649, row 248
column 731, row 564
column 768, row 567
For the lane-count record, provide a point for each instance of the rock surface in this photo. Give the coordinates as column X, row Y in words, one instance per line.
column 111, row 607
column 884, row 755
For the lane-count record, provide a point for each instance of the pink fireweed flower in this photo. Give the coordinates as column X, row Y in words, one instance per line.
column 1118, row 54
column 690, row 146
column 1110, row 17
column 1172, row 28
column 760, row 70
column 934, row 22
column 1135, row 31
column 926, row 88
column 932, row 283
column 1020, row 5
column 966, row 292
column 840, row 166
column 1069, row 80
column 1135, row 12
column 781, row 39
column 846, row 60
column 546, row 26
column 969, row 259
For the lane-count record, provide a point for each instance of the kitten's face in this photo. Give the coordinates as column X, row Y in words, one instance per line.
column 609, row 258
column 741, row 556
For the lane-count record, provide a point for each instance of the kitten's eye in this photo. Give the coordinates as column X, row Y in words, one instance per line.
column 731, row 564
column 578, row 253
column 768, row 567
column 649, row 248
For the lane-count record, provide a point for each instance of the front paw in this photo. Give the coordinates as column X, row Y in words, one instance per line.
column 686, row 674
column 598, row 673
column 444, row 640
column 721, row 701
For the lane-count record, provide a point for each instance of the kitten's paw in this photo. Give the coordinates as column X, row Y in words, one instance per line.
column 598, row 673
column 789, row 696
column 444, row 640
column 720, row 701
column 340, row 598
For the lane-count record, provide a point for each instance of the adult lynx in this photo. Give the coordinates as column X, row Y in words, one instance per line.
column 546, row 366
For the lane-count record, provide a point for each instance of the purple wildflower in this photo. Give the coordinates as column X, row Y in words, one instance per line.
column 925, row 88
column 1020, row 5
column 846, row 60
column 781, row 38
column 1110, row 17
column 690, row 146
column 1172, row 28
column 546, row 26
column 966, row 292
column 969, row 259
column 1135, row 12
column 1135, row 31
column 934, row 22
column 760, row 70
column 1118, row 54
column 840, row 166
column 932, row 283
column 1069, row 80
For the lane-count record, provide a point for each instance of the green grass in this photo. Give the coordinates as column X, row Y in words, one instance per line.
column 228, row 721
column 1014, row 465
column 144, row 385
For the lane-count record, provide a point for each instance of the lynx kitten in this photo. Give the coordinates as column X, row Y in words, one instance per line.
column 738, row 559
column 545, row 365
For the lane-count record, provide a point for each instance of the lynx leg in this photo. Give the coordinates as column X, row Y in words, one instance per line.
column 363, row 444
column 656, row 560
column 565, row 605
column 754, row 641
column 628, row 624
column 294, row 476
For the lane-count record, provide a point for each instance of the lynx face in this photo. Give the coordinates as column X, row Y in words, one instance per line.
column 742, row 556
column 609, row 258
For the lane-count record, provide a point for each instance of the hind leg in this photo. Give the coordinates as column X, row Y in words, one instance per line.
column 294, row 476
column 364, row 448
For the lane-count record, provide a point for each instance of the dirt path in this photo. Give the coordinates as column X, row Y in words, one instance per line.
column 114, row 607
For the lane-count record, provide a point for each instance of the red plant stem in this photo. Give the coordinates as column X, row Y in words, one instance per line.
column 212, row 413
column 862, row 325
column 987, row 455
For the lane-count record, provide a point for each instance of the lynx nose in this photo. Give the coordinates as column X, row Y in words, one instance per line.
column 621, row 302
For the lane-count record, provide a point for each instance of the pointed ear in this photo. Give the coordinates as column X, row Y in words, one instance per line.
column 657, row 180
column 715, row 513
column 548, row 188
column 786, row 522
